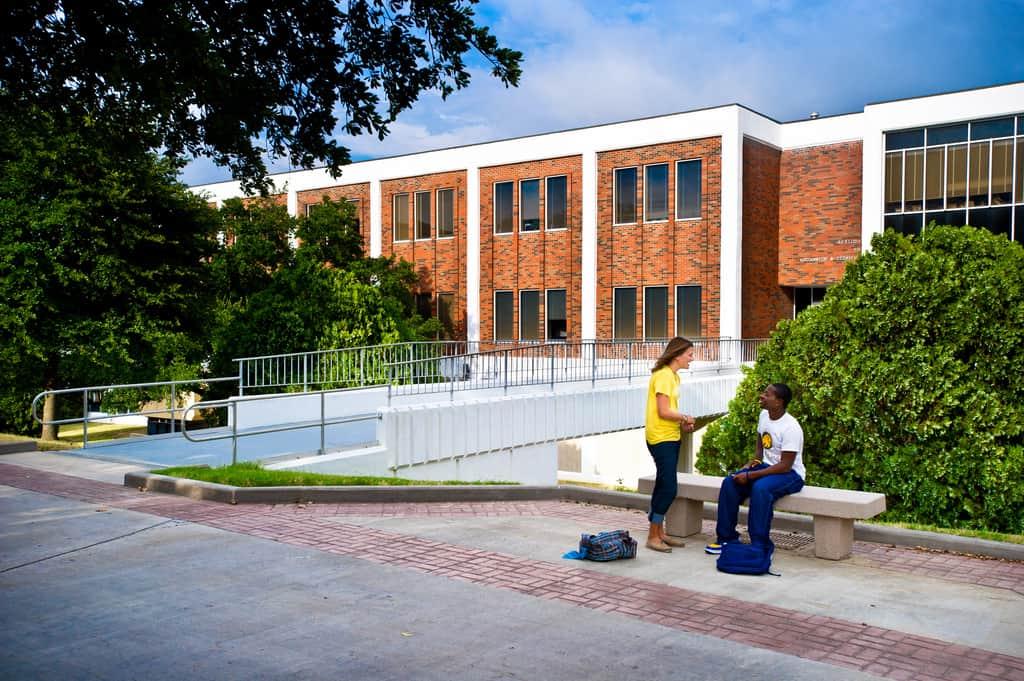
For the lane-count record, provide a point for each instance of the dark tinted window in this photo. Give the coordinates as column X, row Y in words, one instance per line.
column 503, row 208
column 656, row 312
column 688, row 311
column 555, row 201
column 529, row 205
column 624, row 325
column 557, row 326
column 803, row 298
column 625, row 195
column 996, row 220
column 957, row 218
column 999, row 127
column 503, row 316
column 529, row 315
column 906, row 139
column 947, row 134
column 656, row 192
column 688, row 189
column 909, row 224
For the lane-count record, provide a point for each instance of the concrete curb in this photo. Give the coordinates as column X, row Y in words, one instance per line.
column 209, row 491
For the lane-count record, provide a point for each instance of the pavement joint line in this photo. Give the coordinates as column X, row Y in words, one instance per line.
column 669, row 606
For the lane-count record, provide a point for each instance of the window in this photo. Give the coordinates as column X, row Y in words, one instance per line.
column 529, row 205
column 400, row 217
column 656, row 312
column 422, row 215
column 625, row 196
column 424, row 308
column 445, row 213
column 556, row 325
column 688, row 191
column 502, row 207
column 446, row 313
column 688, row 311
column 529, row 315
column 503, row 315
column 555, row 202
column 956, row 174
column 656, row 192
column 624, row 314
column 805, row 297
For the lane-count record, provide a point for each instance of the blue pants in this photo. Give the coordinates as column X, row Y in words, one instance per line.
column 666, row 460
column 762, row 494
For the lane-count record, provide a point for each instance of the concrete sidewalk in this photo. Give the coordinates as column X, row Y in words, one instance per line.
column 102, row 581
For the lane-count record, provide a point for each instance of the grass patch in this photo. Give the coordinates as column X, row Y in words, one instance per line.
column 99, row 432
column 975, row 534
column 250, row 474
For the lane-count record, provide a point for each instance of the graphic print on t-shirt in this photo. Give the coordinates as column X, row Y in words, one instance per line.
column 766, row 440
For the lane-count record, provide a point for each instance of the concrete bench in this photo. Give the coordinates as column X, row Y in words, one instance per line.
column 834, row 510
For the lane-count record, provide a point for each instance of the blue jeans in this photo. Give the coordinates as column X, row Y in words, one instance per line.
column 666, row 460
column 762, row 494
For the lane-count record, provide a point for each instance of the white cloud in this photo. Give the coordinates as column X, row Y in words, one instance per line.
column 587, row 63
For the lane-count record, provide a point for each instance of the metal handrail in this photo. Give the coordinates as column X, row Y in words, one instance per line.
column 233, row 403
column 552, row 363
column 360, row 366
column 84, row 420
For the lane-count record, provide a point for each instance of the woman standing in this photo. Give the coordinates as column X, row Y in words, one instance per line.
column 664, row 427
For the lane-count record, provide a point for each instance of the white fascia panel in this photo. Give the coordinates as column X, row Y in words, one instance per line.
column 916, row 113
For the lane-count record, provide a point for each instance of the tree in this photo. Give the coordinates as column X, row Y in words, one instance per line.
column 908, row 380
column 235, row 79
column 102, row 264
column 322, row 295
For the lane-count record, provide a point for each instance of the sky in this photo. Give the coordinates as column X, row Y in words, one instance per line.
column 588, row 62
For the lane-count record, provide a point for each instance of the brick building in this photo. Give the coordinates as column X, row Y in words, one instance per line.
column 716, row 222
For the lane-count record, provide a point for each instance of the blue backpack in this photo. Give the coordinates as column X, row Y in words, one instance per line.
column 746, row 559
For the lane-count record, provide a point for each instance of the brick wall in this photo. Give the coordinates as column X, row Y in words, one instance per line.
column 440, row 263
column 359, row 194
column 819, row 213
column 540, row 260
column 669, row 253
column 764, row 302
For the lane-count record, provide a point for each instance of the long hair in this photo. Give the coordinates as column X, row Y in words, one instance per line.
column 675, row 347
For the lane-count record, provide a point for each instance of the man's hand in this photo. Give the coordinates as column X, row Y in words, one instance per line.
column 688, row 424
column 741, row 477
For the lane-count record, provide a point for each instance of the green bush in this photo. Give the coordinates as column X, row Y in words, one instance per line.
column 908, row 379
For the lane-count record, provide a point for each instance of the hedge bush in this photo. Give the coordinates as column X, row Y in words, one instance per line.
column 908, row 379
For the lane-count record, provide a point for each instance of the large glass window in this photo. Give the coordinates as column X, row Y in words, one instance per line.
column 625, row 196
column 504, row 315
column 503, row 208
column 805, row 297
column 656, row 192
column 446, row 313
column 656, row 312
column 529, row 315
column 556, row 202
column 688, row 192
column 1002, row 172
column 556, row 325
column 445, row 212
column 400, row 217
column 688, row 311
column 624, row 314
column 962, row 173
column 529, row 205
column 422, row 215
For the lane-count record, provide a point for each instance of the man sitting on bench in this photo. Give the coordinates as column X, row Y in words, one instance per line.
column 777, row 470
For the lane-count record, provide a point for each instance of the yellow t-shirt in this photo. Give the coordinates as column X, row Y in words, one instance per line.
column 657, row 429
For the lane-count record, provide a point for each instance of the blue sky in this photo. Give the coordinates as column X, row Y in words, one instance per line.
column 588, row 62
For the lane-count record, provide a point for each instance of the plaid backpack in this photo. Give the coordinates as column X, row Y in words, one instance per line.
column 607, row 546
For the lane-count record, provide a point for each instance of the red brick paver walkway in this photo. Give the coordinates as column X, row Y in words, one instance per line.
column 882, row 652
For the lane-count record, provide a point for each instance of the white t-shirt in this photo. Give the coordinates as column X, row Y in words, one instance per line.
column 781, row 435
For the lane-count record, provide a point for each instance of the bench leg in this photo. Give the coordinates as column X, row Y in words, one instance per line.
column 684, row 517
column 833, row 537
